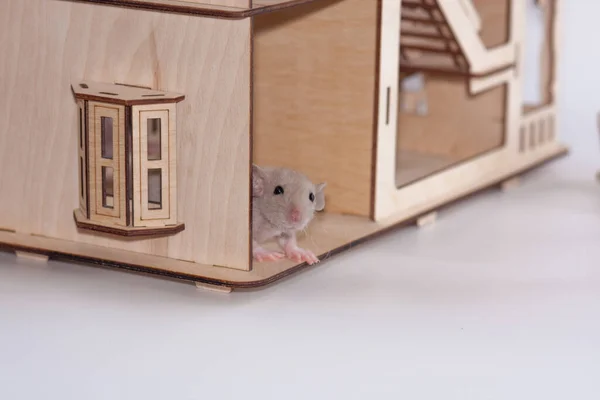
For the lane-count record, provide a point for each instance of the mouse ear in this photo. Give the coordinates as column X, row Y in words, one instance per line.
column 258, row 181
column 320, row 196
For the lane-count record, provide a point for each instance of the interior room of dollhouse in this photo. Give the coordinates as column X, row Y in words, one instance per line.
column 440, row 123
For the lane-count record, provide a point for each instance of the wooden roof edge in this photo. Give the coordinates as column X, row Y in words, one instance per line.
column 133, row 95
column 104, row 99
column 201, row 10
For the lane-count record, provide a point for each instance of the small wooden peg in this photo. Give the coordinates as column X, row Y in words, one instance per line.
column 427, row 219
column 510, row 184
column 31, row 256
column 213, row 288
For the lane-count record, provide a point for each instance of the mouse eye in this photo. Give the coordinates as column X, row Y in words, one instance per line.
column 311, row 197
column 278, row 190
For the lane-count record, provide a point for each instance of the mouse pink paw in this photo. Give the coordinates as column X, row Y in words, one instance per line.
column 298, row 254
column 261, row 254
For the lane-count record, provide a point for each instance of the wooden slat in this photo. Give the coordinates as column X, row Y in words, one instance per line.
column 409, row 33
column 430, row 49
column 420, row 20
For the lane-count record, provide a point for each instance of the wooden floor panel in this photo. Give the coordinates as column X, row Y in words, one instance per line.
column 327, row 235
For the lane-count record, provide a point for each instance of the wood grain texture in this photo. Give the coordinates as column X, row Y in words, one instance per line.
column 457, row 126
column 167, row 214
column 391, row 201
column 315, row 87
column 122, row 94
column 226, row 9
column 207, row 60
column 495, row 21
column 327, row 235
column 479, row 57
column 112, row 211
column 125, row 231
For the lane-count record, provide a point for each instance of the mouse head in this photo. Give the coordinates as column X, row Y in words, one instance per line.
column 285, row 197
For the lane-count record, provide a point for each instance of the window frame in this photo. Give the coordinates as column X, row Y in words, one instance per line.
column 82, row 167
column 167, row 214
column 98, row 212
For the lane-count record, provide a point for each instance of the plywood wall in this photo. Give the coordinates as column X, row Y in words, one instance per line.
column 457, row 125
column 315, row 89
column 47, row 44
column 495, row 21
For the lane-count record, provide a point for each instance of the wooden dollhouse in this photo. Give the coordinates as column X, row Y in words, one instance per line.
column 128, row 127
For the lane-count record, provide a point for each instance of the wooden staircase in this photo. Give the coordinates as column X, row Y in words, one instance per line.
column 427, row 42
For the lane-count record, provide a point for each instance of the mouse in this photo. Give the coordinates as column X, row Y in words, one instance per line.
column 284, row 202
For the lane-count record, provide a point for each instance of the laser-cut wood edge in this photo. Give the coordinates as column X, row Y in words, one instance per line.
column 294, row 269
column 222, row 12
column 213, row 288
column 33, row 256
column 112, row 229
column 427, row 219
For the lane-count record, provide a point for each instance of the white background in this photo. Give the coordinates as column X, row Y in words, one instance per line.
column 498, row 300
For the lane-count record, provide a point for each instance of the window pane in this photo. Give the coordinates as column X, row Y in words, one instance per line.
column 154, row 152
column 107, row 187
column 106, row 127
column 81, row 175
column 81, row 128
column 154, row 189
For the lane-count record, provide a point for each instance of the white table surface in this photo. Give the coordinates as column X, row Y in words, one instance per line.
column 500, row 299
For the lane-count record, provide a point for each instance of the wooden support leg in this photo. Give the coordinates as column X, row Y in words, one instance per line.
column 31, row 256
column 510, row 184
column 427, row 219
column 213, row 288
column 598, row 176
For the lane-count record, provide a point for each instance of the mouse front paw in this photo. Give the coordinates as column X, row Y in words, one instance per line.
column 261, row 254
column 299, row 254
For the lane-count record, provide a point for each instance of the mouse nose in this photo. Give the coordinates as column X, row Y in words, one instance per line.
column 295, row 215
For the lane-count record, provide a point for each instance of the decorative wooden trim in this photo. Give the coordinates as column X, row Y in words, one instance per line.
column 138, row 232
column 122, row 102
column 251, row 143
column 202, row 10
column 82, row 156
column 87, row 159
column 122, row 94
column 376, row 104
column 388, row 75
column 98, row 212
column 167, row 215
column 128, row 167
